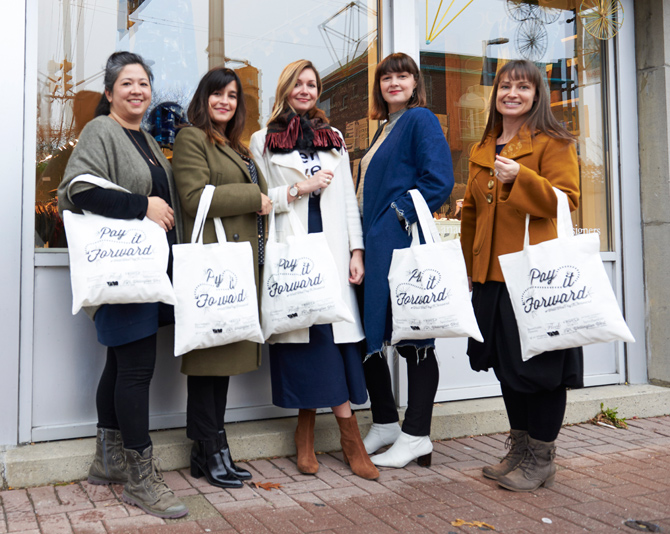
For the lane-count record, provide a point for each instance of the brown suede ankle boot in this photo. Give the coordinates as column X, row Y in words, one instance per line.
column 354, row 450
column 536, row 469
column 517, row 442
column 304, row 442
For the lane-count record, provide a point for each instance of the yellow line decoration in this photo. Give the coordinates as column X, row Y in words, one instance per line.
column 433, row 33
column 601, row 18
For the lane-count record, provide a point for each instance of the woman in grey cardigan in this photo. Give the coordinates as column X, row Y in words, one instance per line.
column 113, row 147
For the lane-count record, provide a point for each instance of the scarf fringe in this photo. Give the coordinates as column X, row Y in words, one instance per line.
column 284, row 140
column 327, row 138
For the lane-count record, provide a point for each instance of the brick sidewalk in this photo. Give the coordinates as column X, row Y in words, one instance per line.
column 605, row 477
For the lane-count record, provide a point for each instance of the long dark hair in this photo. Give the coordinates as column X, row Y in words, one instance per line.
column 398, row 62
column 540, row 116
column 198, row 111
column 115, row 64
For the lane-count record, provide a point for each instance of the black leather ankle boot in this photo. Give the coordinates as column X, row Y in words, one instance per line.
column 241, row 474
column 207, row 460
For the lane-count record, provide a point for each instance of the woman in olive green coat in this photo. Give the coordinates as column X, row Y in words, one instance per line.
column 210, row 152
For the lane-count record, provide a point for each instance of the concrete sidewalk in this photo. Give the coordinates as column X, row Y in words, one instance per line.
column 68, row 460
column 606, row 477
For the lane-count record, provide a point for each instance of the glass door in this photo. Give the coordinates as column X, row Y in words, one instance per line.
column 461, row 46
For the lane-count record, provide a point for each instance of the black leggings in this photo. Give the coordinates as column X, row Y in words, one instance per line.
column 122, row 399
column 206, row 406
column 422, row 379
column 541, row 413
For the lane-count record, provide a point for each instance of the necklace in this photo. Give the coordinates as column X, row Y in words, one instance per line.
column 132, row 137
column 155, row 164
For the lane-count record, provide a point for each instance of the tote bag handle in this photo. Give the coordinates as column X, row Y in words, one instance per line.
column 426, row 221
column 294, row 221
column 201, row 218
column 563, row 220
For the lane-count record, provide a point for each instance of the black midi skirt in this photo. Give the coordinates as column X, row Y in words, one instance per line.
column 501, row 349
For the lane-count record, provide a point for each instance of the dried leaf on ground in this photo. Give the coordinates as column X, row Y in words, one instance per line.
column 267, row 486
column 479, row 524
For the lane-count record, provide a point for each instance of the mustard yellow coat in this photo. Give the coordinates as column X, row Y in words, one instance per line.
column 196, row 163
column 494, row 214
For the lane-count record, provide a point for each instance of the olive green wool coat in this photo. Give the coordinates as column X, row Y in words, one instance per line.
column 197, row 162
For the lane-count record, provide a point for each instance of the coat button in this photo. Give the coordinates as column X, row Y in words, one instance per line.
column 491, row 172
column 491, row 184
column 489, row 198
column 236, row 237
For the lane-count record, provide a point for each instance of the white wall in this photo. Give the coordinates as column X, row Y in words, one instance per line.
column 12, row 41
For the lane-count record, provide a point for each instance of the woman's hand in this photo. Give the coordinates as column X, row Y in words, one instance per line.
column 266, row 205
column 161, row 213
column 506, row 170
column 320, row 180
column 356, row 267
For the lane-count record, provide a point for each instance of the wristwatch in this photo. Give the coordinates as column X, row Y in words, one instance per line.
column 294, row 191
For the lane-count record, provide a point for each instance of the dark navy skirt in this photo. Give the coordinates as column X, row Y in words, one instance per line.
column 321, row 373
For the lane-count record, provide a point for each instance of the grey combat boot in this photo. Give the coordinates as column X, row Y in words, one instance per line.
column 517, row 442
column 536, row 469
column 109, row 464
column 146, row 487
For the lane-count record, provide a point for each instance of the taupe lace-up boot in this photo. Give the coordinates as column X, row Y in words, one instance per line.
column 517, row 442
column 536, row 469
column 109, row 464
column 146, row 487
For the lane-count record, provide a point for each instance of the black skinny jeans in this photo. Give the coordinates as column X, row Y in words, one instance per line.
column 206, row 406
column 540, row 414
column 122, row 399
column 422, row 378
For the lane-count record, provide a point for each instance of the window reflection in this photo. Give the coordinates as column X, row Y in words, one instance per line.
column 459, row 61
column 182, row 39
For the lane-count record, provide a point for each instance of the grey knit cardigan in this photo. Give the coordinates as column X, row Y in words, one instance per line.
column 106, row 151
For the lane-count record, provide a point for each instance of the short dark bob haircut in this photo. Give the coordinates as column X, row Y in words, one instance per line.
column 397, row 62
column 198, row 111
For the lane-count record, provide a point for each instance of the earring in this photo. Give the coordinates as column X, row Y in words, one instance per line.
column 413, row 93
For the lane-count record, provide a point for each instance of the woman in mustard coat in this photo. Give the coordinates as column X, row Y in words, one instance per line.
column 523, row 154
column 210, row 152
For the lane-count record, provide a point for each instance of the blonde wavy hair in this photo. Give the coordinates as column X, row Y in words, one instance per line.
column 287, row 80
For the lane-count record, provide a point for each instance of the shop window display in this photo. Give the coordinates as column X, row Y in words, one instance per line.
column 182, row 39
column 461, row 48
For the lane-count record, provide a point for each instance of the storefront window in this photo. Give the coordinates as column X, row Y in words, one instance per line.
column 182, row 39
column 462, row 47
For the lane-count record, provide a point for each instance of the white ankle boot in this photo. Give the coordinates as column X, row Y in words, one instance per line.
column 405, row 449
column 381, row 435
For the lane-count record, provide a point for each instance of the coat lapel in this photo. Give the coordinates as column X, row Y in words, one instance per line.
column 230, row 153
column 520, row 145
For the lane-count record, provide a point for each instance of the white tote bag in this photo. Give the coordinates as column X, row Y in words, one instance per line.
column 430, row 296
column 560, row 292
column 301, row 285
column 116, row 261
column 217, row 302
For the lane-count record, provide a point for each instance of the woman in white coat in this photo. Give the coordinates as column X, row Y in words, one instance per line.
column 306, row 165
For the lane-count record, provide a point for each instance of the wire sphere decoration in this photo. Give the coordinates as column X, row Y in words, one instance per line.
column 531, row 39
column 520, row 10
column 601, row 18
column 548, row 15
